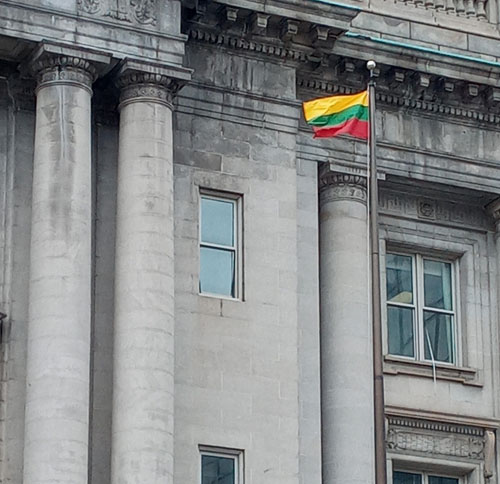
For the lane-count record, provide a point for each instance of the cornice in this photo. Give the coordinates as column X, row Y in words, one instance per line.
column 429, row 95
column 257, row 46
column 312, row 50
column 440, row 418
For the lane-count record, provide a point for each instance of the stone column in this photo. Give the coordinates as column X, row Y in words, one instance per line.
column 143, row 382
column 57, row 378
column 346, row 347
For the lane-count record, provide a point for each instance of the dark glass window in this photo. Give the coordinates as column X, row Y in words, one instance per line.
column 218, row 470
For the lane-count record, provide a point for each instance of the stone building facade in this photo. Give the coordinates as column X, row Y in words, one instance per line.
column 184, row 283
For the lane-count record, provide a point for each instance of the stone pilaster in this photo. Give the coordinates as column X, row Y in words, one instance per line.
column 57, row 378
column 143, row 392
column 346, row 348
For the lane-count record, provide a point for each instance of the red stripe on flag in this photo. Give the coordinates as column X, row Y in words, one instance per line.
column 353, row 127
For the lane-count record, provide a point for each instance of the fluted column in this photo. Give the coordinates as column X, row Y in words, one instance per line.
column 346, row 348
column 57, row 397
column 143, row 391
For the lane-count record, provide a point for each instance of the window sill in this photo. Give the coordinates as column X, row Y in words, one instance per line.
column 219, row 296
column 401, row 366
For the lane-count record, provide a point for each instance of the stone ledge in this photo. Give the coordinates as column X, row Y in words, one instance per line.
column 400, row 366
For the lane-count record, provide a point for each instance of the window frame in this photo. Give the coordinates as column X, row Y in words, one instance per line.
column 235, row 454
column 237, row 248
column 418, row 306
column 426, row 474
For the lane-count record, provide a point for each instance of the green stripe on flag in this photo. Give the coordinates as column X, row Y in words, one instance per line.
column 359, row 111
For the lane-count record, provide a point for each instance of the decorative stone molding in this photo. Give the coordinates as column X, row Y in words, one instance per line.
column 415, row 436
column 423, row 208
column 394, row 365
column 341, row 186
column 63, row 69
column 483, row 106
column 474, row 9
column 142, row 12
column 257, row 46
column 144, row 86
column 309, row 48
column 89, row 6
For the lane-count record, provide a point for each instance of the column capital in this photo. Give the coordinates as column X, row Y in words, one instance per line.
column 141, row 82
column 341, row 186
column 145, row 86
column 56, row 64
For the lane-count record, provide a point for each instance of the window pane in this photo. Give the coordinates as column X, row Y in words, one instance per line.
column 438, row 331
column 437, row 285
column 217, row 221
column 217, row 271
column 217, row 470
column 400, row 329
column 406, row 478
column 442, row 480
column 399, row 278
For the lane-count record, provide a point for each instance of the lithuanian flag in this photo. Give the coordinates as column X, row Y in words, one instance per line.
column 335, row 115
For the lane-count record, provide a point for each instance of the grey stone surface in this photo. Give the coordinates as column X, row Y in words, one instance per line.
column 106, row 145
column 246, row 373
column 57, row 374
column 143, row 352
column 346, row 359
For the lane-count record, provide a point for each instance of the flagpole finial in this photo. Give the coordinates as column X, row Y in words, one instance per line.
column 370, row 65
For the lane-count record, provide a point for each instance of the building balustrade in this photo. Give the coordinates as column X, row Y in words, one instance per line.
column 473, row 9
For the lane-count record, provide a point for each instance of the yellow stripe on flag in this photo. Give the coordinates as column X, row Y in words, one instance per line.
column 333, row 104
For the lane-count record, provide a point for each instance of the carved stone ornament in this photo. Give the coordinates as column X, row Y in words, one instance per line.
column 421, row 437
column 442, row 211
column 143, row 12
column 429, row 443
column 89, row 6
column 64, row 69
column 146, row 86
column 341, row 186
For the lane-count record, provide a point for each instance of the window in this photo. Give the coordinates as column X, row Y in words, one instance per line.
column 219, row 246
column 221, row 467
column 399, row 477
column 421, row 317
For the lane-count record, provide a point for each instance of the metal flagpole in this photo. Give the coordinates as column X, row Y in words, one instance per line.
column 378, row 376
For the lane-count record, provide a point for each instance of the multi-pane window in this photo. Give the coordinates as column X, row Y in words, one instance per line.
column 399, row 477
column 421, row 315
column 219, row 253
column 220, row 468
